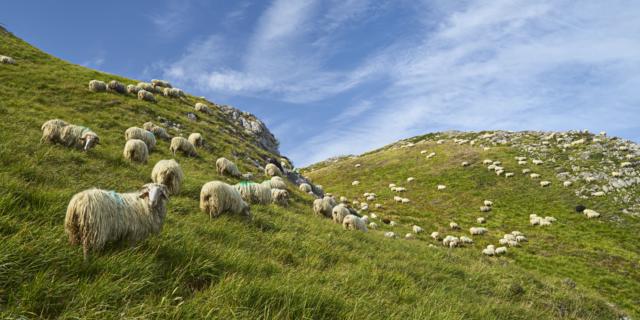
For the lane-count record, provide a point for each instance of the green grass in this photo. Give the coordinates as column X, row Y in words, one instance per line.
column 286, row 263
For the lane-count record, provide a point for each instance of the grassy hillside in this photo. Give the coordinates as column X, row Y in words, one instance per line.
column 285, row 263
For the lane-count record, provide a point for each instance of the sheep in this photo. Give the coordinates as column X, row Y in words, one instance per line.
column 355, row 183
column 485, row 209
column 52, row 131
column 454, row 226
column 324, row 207
column 201, row 107
column 522, row 163
column 590, row 213
column 276, row 183
column 488, row 203
column 481, row 220
column 7, row 60
column 175, row 92
column 567, row 183
column 351, row 222
column 487, row 161
column 489, row 250
column 534, row 176
column 168, row 173
column 598, row 194
column 95, row 217
column 365, row 218
column 417, row 229
column 400, row 189
column 252, row 192
column 450, row 241
column 537, row 161
column 409, row 236
column 170, row 92
column 431, row 155
column 374, row 216
column 390, row 234
column 357, row 165
column 157, row 131
column 305, row 187
column 371, row 198
column 217, row 197
column 626, row 164
column 146, row 96
column 183, row 145
column 271, row 170
column 465, row 239
column 136, row 150
column 545, row 183
column 509, row 174
column 196, row 139
column 373, row 225
column 478, row 230
column 521, row 239
column 501, row 250
column 145, row 86
column 465, row 164
column 441, row 187
column 133, row 89
column 78, row 137
column 435, row 235
column 280, row 197
column 392, row 185
column 411, row 179
column 378, row 206
column 339, row 212
column 116, row 86
column 225, row 166
column 141, row 134
column 344, row 199
column 393, row 223
column 405, row 200
column 525, row 171
column 97, row 86
column 160, row 83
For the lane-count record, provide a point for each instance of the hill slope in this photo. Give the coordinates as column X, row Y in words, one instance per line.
column 286, row 263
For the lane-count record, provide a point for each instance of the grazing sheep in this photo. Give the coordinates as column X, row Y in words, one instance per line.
column 435, row 235
column 157, row 131
column 509, row 174
column 280, row 197
column 598, row 194
column 97, row 86
column 501, row 250
column 145, row 86
column 399, row 189
column 305, row 187
column 276, row 183
column 146, row 96
column 344, row 199
column 365, row 219
column 488, row 203
column 417, row 229
column 160, row 83
column 175, row 92
column 136, row 150
column 489, row 250
column 141, row 134
column 133, row 89
column 254, row 193
column 183, row 145
column 271, row 170
column 374, row 216
column 525, row 171
column 357, row 165
column 454, row 226
column 465, row 164
column 168, row 173
column 537, row 161
column 485, row 209
column 481, row 220
column 393, row 223
column 478, row 230
column 392, row 185
column 431, row 155
column 196, row 139
column 567, row 183
column 7, row 60
column 224, row 166
column 450, row 241
column 52, row 131
column 78, row 137
column 390, row 234
column 411, row 179
column 522, row 163
column 487, row 161
column 116, row 86
column 545, row 183
column 170, row 93
column 324, row 207
column 217, row 197
column 339, row 212
column 373, row 225
column 351, row 222
column 201, row 107
column 534, row 176
column 521, row 239
column 465, row 239
column 405, row 200
column 355, row 183
column 409, row 236
column 95, row 217
column 441, row 187
column 590, row 213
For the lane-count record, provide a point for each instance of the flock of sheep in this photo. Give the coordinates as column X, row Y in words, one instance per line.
column 95, row 217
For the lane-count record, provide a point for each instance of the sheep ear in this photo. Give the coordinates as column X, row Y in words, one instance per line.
column 144, row 193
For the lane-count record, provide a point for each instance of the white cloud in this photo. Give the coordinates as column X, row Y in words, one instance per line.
column 171, row 20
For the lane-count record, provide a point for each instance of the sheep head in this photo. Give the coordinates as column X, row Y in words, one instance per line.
column 89, row 140
column 155, row 193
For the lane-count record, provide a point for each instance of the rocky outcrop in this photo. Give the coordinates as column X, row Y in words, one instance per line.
column 253, row 127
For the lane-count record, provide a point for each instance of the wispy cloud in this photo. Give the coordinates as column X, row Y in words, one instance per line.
column 172, row 19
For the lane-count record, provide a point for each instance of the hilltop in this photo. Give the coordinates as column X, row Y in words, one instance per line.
column 286, row 263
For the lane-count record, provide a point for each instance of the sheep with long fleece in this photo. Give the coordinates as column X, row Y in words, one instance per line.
column 141, row 134
column 271, row 170
column 324, row 207
column 145, row 86
column 136, row 150
column 78, row 137
column 183, row 145
column 52, row 130
column 252, row 192
column 157, row 131
column 196, row 139
column 95, row 217
column 450, row 241
column 132, row 89
column 168, row 173
column 201, row 107
column 225, row 166
column 280, row 197
column 305, row 187
column 116, row 86
column 477, row 230
column 217, row 197
column 339, row 212
column 97, row 86
column 146, row 96
column 7, row 60
column 590, row 213
column 351, row 222
column 276, row 183
column 417, row 229
column 170, row 92
column 161, row 83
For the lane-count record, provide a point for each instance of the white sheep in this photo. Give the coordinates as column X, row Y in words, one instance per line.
column 7, row 60
column 305, row 187
column 141, row 134
column 509, row 174
column 168, row 173
column 271, row 170
column 465, row 164
column 465, row 239
column 357, row 165
column 157, row 131
column 217, row 197
column 485, row 209
column 52, row 131
column 417, row 229
column 78, row 137
column 132, row 89
column 224, row 166
column 481, row 220
column 411, row 179
column 598, row 194
column 534, row 176
column 567, row 183
column 405, row 200
column 525, row 171
column 545, row 183
column 254, row 193
column 537, row 161
column 146, row 96
column 477, row 230
column 441, row 187
column 183, row 145
column 95, row 217
column 501, row 250
column 97, row 86
column 390, row 234
column 136, row 150
column 590, row 213
column 373, row 225
column 487, row 161
column 488, row 203
column 280, row 197
column 450, row 241
column 324, row 207
column 145, row 86
column 116, row 86
column 409, row 236
column 355, row 183
column 201, row 107
column 490, row 250
column 277, row 183
column 196, row 139
column 160, row 83
column 393, row 223
column 435, row 235
column 352, row 222
column 454, row 226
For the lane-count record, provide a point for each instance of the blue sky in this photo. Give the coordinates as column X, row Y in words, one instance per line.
column 338, row 77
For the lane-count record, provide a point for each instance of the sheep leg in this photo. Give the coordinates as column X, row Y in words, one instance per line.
column 85, row 251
